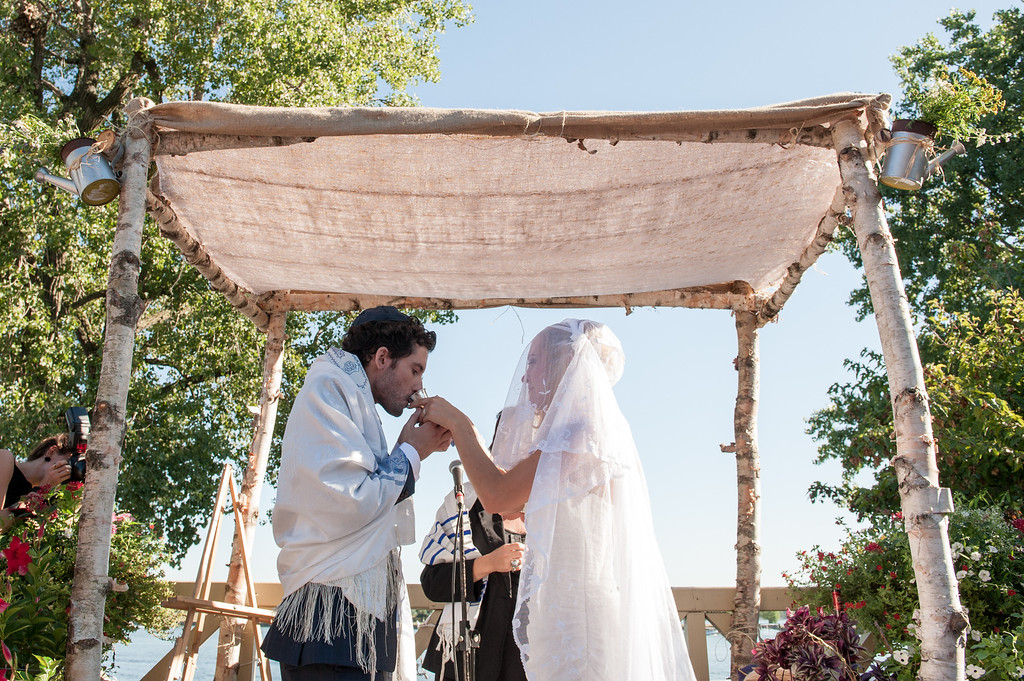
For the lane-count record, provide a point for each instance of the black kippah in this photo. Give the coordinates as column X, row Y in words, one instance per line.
column 381, row 313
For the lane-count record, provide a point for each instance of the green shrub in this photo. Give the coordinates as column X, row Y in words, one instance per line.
column 871, row 576
column 36, row 573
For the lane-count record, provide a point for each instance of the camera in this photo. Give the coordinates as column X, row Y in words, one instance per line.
column 78, row 440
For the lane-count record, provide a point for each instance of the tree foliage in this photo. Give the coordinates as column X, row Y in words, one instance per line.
column 960, row 242
column 68, row 67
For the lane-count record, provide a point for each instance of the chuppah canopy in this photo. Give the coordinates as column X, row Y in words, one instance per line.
column 346, row 208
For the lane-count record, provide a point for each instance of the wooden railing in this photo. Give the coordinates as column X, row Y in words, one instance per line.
column 696, row 605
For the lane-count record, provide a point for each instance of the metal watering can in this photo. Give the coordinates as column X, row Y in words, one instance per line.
column 92, row 178
column 906, row 164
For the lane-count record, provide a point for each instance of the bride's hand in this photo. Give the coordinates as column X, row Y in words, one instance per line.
column 440, row 411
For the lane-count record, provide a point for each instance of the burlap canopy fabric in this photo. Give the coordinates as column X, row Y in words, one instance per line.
column 473, row 205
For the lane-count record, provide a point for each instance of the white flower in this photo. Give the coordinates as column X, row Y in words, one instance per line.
column 957, row 547
column 974, row 671
column 984, row 575
column 1020, row 671
column 975, row 555
column 976, row 635
column 993, row 549
column 901, row 656
column 960, row 574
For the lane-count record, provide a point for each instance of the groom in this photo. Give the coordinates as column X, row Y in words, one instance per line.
column 342, row 506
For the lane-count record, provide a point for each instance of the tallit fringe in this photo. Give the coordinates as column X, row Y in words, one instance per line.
column 373, row 594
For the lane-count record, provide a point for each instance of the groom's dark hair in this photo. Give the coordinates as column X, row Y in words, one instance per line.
column 400, row 337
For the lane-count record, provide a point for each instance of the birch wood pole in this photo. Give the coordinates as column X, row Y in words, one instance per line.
column 747, row 601
column 232, row 630
column 942, row 622
column 124, row 307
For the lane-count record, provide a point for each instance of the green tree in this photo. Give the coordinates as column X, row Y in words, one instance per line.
column 68, row 68
column 960, row 242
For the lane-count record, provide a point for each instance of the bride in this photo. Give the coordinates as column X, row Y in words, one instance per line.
column 594, row 600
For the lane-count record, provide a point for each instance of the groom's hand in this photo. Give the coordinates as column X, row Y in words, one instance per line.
column 425, row 436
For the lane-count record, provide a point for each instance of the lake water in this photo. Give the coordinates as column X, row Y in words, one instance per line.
column 134, row 660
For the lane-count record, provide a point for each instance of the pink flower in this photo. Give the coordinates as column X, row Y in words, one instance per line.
column 7, row 653
column 3, row 605
column 17, row 556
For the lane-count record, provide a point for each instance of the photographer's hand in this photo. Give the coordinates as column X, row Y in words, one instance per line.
column 56, row 474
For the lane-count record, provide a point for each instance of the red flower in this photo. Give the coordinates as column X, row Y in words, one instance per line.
column 1011, row 592
column 849, row 572
column 897, row 516
column 888, row 626
column 893, row 575
column 878, row 567
column 873, row 547
column 17, row 556
column 74, row 486
column 7, row 653
column 896, row 616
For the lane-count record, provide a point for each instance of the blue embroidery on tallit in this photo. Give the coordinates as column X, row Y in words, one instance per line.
column 394, row 468
column 344, row 361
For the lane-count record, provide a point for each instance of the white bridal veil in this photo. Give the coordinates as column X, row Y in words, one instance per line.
column 594, row 600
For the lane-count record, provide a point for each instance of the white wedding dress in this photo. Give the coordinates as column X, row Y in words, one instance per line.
column 594, row 599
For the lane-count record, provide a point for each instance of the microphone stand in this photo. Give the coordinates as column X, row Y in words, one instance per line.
column 468, row 639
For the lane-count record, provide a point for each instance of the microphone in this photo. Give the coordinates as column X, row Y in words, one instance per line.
column 455, row 468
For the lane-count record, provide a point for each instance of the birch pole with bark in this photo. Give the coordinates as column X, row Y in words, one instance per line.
column 232, row 629
column 124, row 308
column 941, row 620
column 747, row 603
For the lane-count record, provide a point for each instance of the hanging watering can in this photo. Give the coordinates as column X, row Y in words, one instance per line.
column 92, row 178
column 906, row 164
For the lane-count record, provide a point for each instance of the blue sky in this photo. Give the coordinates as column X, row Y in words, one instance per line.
column 679, row 386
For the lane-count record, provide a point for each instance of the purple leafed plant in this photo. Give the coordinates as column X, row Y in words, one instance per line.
column 810, row 647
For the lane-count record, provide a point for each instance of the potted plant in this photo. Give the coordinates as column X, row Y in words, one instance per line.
column 812, row 646
column 949, row 104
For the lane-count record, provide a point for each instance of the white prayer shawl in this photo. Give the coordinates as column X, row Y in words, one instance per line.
column 439, row 547
column 335, row 517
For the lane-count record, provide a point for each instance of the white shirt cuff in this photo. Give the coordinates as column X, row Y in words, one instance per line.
column 414, row 458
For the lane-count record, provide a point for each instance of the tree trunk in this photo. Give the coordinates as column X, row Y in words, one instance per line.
column 232, row 630
column 743, row 630
column 942, row 622
column 124, row 307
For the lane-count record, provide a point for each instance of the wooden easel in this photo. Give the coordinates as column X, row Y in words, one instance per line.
column 199, row 606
